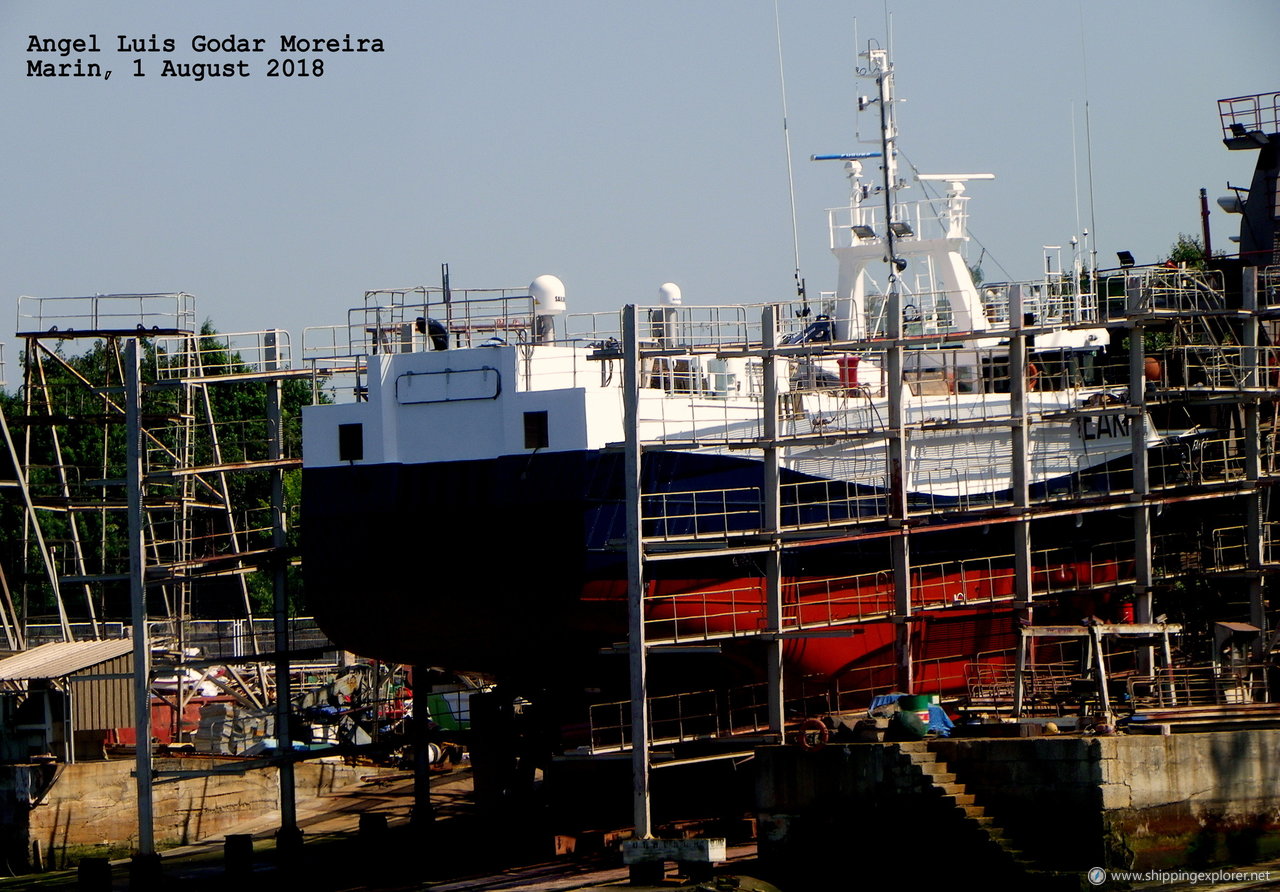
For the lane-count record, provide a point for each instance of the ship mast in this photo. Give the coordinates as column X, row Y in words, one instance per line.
column 880, row 67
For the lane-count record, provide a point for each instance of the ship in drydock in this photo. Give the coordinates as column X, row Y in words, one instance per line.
column 888, row 442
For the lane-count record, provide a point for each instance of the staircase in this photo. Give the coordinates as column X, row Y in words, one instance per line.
column 954, row 795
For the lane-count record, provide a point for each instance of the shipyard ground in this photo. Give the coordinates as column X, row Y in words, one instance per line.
column 461, row 852
column 464, row 853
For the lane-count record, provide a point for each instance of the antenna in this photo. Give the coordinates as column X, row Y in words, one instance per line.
column 1088, row 139
column 791, row 181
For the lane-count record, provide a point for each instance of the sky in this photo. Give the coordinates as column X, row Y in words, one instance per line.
column 617, row 145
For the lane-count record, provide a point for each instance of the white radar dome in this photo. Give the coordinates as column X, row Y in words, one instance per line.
column 548, row 294
column 669, row 294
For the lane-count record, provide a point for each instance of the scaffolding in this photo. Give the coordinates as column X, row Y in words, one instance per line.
column 135, row 422
column 1194, row 357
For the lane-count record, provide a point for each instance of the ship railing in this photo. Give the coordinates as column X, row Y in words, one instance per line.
column 966, row 490
column 1241, row 115
column 699, row 513
column 372, row 330
column 240, row 442
column 38, row 633
column 468, row 317
column 1200, row 685
column 71, row 398
column 209, row 539
column 674, row 328
column 699, row 327
column 1176, row 554
column 1103, row 565
column 868, row 596
column 1271, row 542
column 925, row 313
column 235, row 638
column 854, row 689
column 118, row 313
column 709, row 328
column 222, row 354
column 1269, row 287
column 328, row 344
column 1230, row 548
column 816, row 504
column 983, row 580
column 211, row 638
column 992, row 686
column 747, row 709
column 925, row 218
column 335, row 370
column 44, row 481
column 1163, row 290
column 602, row 328
column 673, row 719
column 572, row 366
column 1217, row 459
column 831, row 601
column 705, row 614
column 1214, row 367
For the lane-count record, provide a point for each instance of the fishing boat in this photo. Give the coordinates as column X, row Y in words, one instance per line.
column 468, row 509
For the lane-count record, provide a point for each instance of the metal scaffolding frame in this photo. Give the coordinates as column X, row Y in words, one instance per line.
column 166, row 464
column 1201, row 368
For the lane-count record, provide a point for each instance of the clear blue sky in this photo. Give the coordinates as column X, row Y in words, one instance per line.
column 617, row 145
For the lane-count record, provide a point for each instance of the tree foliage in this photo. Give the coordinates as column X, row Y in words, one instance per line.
column 69, row 422
column 1188, row 251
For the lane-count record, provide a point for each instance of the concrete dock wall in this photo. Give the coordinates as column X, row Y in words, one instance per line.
column 1071, row 803
column 95, row 804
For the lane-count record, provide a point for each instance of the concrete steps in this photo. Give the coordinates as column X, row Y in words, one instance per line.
column 938, row 776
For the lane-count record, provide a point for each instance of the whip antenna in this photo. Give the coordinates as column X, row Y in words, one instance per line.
column 791, row 182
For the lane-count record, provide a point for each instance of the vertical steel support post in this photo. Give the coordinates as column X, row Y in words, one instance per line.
column 1137, row 410
column 899, row 477
column 635, row 575
column 280, row 596
column 138, row 602
column 1255, row 519
column 1021, row 476
column 772, row 521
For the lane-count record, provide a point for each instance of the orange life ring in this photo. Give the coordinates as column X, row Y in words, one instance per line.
column 1033, row 374
column 812, row 734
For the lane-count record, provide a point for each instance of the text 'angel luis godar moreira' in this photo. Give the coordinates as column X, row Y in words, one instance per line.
column 306, row 59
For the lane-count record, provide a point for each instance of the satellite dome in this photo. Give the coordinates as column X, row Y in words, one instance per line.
column 548, row 294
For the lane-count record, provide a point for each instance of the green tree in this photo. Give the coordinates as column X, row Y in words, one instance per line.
column 74, row 412
column 1187, row 250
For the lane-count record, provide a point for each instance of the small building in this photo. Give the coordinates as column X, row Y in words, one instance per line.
column 63, row 699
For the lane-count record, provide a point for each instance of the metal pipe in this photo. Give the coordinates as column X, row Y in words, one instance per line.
column 635, row 575
column 137, row 598
column 772, row 520
column 280, row 598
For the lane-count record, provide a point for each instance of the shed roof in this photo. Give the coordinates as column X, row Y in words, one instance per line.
column 62, row 658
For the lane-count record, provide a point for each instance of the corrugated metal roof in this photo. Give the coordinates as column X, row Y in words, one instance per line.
column 62, row 658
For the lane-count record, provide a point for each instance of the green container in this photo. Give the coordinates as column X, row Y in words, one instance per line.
column 914, row 702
